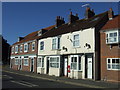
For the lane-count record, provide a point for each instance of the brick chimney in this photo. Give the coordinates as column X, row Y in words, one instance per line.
column 89, row 13
column 110, row 14
column 73, row 18
column 59, row 21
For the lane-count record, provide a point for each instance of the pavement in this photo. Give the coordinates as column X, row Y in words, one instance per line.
column 66, row 80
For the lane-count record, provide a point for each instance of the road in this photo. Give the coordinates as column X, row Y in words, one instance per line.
column 11, row 80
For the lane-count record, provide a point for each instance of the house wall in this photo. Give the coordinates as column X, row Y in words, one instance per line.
column 30, row 54
column 86, row 36
column 106, row 52
column 24, row 68
column 65, row 41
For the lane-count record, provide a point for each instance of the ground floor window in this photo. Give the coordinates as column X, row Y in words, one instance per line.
column 54, row 62
column 40, row 62
column 113, row 63
column 26, row 62
column 16, row 61
column 76, row 62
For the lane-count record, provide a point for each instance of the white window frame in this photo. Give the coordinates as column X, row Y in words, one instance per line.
column 77, row 40
column 56, row 63
column 21, row 48
column 57, row 43
column 42, row 45
column 78, row 64
column 33, row 46
column 13, row 48
column 26, row 64
column 16, row 49
column 26, row 44
column 40, row 62
column 111, row 64
column 110, row 40
column 16, row 61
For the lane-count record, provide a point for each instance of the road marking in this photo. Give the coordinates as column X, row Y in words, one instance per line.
column 62, row 81
column 7, row 76
column 34, row 85
column 21, row 83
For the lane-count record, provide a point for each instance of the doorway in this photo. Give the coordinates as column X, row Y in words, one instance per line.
column 65, row 66
column 32, row 64
column 89, row 65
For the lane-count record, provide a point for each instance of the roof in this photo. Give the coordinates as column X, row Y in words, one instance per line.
column 33, row 35
column 78, row 25
column 112, row 24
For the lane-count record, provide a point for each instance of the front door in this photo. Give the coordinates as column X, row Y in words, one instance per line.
column 89, row 67
column 32, row 64
column 65, row 66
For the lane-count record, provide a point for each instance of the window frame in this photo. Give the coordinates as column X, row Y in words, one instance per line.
column 57, row 43
column 111, row 63
column 16, row 61
column 16, row 49
column 74, row 41
column 25, row 62
column 26, row 48
column 13, row 49
column 33, row 46
column 109, row 37
column 57, row 62
column 42, row 46
column 21, row 48
column 40, row 61
column 78, row 62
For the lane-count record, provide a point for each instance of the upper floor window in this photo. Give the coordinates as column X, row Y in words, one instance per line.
column 113, row 63
column 56, row 43
column 76, row 40
column 112, row 37
column 16, row 49
column 33, row 46
column 25, row 47
column 41, row 45
column 13, row 49
column 21, row 47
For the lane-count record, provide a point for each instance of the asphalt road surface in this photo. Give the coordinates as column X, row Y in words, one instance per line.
column 11, row 80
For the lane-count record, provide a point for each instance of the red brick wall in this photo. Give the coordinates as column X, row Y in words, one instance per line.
column 25, row 68
column 106, row 52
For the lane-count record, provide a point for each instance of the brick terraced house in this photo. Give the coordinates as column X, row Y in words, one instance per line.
column 110, row 49
column 24, row 52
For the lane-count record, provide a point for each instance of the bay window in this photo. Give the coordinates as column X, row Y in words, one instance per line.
column 26, row 62
column 54, row 62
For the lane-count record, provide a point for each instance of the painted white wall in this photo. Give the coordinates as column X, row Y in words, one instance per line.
column 86, row 36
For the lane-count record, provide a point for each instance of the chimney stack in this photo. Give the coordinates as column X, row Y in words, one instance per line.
column 59, row 21
column 73, row 18
column 89, row 13
column 20, row 38
column 110, row 14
